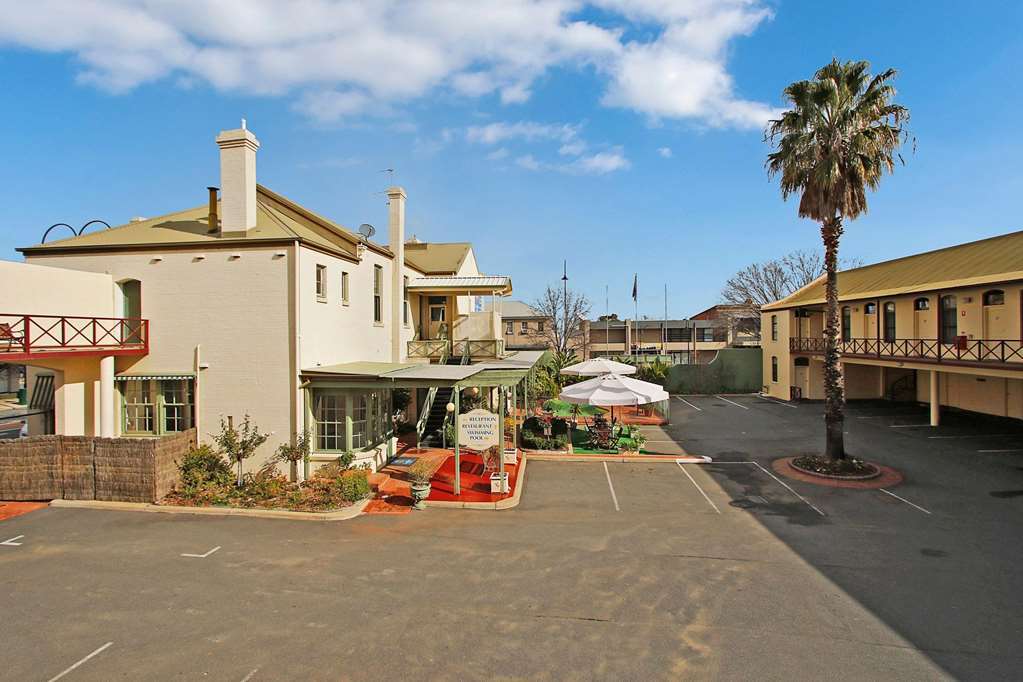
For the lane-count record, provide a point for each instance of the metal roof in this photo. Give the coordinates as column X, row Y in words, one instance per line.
column 997, row 259
column 478, row 284
column 359, row 369
column 436, row 258
column 514, row 310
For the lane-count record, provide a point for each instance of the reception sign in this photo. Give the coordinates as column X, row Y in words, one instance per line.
column 479, row 430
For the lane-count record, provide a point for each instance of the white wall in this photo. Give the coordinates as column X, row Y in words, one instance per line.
column 236, row 309
column 30, row 289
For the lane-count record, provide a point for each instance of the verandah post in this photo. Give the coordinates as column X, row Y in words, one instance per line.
column 458, row 455
column 500, row 420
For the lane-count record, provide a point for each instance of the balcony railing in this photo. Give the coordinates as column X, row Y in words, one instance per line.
column 435, row 349
column 23, row 337
column 962, row 351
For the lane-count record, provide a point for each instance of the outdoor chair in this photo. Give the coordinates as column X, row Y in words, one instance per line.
column 7, row 334
column 491, row 460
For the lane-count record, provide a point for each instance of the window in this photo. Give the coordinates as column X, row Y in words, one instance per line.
column 405, row 305
column 870, row 309
column 156, row 406
column 994, row 297
column 774, row 327
column 329, row 413
column 922, row 304
column 889, row 322
column 524, row 327
column 344, row 288
column 360, row 419
column 949, row 319
column 774, row 369
column 846, row 323
column 539, row 326
column 321, row 282
column 509, row 327
column 705, row 334
column 378, row 294
column 131, row 292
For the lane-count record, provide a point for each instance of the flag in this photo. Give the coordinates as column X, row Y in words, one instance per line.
column 635, row 286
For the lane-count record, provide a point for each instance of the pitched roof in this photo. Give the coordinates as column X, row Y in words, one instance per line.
column 997, row 259
column 277, row 218
column 475, row 283
column 436, row 258
column 514, row 309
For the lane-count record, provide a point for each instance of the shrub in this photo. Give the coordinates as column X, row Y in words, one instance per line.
column 292, row 454
column 203, row 466
column 420, row 472
column 533, row 436
column 333, row 491
column 239, row 444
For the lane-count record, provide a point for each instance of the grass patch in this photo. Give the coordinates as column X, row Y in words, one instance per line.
column 563, row 409
column 580, row 445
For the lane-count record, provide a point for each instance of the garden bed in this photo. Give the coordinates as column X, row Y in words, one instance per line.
column 581, row 445
column 849, row 469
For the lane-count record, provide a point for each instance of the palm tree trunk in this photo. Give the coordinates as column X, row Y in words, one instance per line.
column 834, row 386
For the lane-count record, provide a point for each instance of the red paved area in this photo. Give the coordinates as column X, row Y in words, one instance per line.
column 9, row 510
column 888, row 477
column 474, row 486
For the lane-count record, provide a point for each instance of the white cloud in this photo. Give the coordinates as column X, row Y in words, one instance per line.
column 349, row 58
column 573, row 148
column 600, row 163
column 528, row 162
column 498, row 154
column 665, row 152
column 493, row 133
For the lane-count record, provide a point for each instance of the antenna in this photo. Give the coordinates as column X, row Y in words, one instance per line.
column 390, row 173
column 367, row 231
column 243, row 124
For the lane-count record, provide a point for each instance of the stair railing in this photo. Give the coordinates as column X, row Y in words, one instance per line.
column 431, row 396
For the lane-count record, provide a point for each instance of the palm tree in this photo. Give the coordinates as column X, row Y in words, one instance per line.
column 842, row 134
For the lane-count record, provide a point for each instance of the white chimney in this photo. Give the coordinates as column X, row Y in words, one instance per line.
column 237, row 181
column 396, row 242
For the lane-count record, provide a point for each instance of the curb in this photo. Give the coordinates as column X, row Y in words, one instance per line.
column 506, row 503
column 341, row 515
column 664, row 459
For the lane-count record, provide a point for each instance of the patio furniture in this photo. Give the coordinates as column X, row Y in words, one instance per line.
column 7, row 334
column 491, row 459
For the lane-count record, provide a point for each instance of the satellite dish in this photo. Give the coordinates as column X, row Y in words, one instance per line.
column 367, row 230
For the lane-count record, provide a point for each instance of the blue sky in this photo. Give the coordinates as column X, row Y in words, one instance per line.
column 539, row 135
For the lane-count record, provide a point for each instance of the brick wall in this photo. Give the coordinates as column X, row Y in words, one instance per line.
column 87, row 468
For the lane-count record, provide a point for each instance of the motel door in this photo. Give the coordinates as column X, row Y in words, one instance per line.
column 438, row 317
column 801, row 376
column 996, row 321
column 869, row 320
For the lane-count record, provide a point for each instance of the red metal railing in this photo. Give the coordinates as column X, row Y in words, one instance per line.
column 29, row 336
column 962, row 350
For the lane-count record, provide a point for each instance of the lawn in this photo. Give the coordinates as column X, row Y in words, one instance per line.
column 580, row 444
column 563, row 409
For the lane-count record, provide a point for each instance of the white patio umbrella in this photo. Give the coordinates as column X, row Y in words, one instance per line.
column 611, row 389
column 598, row 366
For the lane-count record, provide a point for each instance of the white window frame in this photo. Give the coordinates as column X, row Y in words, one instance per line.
column 378, row 294
column 321, row 283
column 344, row 288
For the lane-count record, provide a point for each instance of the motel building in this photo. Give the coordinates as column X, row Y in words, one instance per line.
column 250, row 304
column 942, row 327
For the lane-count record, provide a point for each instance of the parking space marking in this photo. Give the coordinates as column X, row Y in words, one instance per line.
column 907, row 426
column 202, row 556
column 614, row 497
column 731, row 401
column 698, row 409
column 776, row 402
column 783, row 483
column 1006, row 450
column 250, row 675
column 690, row 477
column 903, row 499
column 94, row 653
column 11, row 542
column 808, row 503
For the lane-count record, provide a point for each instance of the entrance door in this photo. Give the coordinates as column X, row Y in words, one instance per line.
column 131, row 294
column 801, row 376
column 438, row 306
column 870, row 320
column 996, row 321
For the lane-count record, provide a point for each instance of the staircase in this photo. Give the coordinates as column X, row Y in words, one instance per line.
column 433, row 434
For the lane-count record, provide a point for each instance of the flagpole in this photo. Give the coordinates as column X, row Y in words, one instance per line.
column 635, row 300
column 664, row 324
column 607, row 328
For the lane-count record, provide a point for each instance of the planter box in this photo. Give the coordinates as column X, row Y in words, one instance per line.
column 511, row 455
column 497, row 485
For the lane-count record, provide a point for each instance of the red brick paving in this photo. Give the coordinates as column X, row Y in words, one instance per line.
column 9, row 510
column 888, row 477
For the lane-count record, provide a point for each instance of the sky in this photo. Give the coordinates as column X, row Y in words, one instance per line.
column 624, row 136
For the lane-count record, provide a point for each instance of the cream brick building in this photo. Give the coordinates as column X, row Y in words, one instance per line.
column 942, row 327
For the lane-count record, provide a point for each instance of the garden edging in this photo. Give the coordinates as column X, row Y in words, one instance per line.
column 340, row 515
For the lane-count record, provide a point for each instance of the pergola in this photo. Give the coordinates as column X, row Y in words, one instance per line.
column 505, row 375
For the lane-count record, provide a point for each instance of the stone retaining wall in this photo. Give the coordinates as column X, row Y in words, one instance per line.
column 87, row 468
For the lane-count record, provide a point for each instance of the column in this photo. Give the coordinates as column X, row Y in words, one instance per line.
column 935, row 399
column 455, row 393
column 106, row 397
column 500, row 430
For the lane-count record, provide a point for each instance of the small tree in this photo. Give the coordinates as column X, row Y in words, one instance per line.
column 238, row 445
column 293, row 453
column 564, row 313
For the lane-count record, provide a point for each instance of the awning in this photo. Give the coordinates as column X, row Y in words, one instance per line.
column 359, row 369
column 481, row 284
column 141, row 377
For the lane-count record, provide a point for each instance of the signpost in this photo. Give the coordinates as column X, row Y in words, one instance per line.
column 479, row 429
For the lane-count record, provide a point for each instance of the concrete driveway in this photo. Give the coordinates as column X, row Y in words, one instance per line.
column 616, row 571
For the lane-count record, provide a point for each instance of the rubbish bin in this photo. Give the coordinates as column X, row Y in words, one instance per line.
column 23, row 396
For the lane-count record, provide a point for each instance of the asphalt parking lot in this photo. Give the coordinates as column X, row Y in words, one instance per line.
column 605, row 571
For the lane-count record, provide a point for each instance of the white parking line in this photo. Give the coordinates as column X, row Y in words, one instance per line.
column 614, row 497
column 202, row 556
column 915, row 506
column 11, row 542
column 94, row 653
column 690, row 477
column 1006, row 450
column 250, row 675
column 776, row 402
column 790, row 489
column 698, row 409
column 907, row 426
column 732, row 402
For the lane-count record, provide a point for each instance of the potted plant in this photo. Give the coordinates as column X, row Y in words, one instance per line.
column 419, row 475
